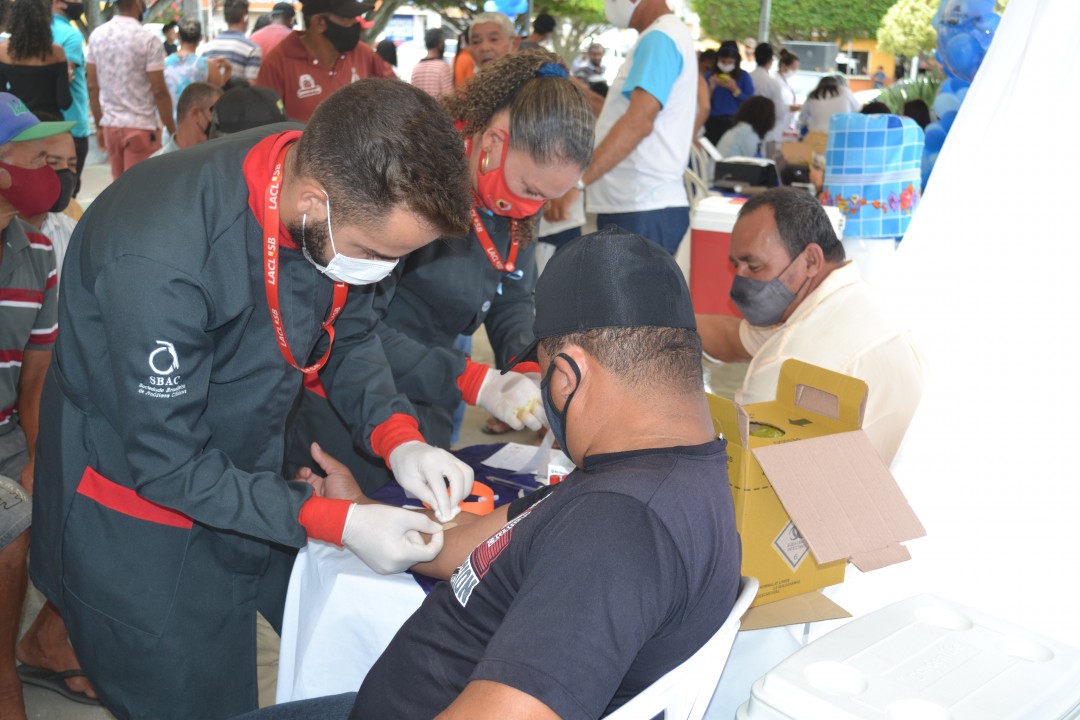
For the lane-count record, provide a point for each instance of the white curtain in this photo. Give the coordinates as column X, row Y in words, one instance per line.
column 989, row 277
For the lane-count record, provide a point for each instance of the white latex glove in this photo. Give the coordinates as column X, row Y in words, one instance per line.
column 512, row 398
column 425, row 471
column 388, row 538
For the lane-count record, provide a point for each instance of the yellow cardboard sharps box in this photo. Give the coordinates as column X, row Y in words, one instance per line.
column 810, row 491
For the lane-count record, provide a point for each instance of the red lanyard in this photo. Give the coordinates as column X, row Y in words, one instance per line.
column 271, row 224
column 489, row 247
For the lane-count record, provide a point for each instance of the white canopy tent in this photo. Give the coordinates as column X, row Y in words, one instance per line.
column 989, row 276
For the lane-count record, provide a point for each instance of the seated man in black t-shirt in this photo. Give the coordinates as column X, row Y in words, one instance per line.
column 580, row 595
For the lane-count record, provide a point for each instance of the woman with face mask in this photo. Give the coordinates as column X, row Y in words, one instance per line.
column 32, row 67
column 528, row 134
column 729, row 87
column 785, row 115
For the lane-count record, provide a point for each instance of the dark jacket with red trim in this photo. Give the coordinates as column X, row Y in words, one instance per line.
column 443, row 290
column 167, row 379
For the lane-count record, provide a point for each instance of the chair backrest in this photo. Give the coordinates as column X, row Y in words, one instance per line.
column 684, row 692
column 696, row 188
column 699, row 161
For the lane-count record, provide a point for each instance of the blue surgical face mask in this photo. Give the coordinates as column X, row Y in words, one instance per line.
column 557, row 418
column 761, row 302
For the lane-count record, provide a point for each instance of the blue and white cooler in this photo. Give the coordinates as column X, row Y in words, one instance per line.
column 873, row 177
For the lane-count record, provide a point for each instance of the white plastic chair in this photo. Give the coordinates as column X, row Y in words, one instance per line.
column 684, row 693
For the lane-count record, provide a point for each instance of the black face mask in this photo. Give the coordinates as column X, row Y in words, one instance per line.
column 67, row 189
column 344, row 39
column 74, row 10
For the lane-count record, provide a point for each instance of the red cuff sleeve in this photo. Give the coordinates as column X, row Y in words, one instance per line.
column 324, row 518
column 471, row 379
column 527, row 367
column 399, row 429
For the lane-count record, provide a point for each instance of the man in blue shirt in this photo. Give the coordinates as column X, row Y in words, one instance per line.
column 65, row 35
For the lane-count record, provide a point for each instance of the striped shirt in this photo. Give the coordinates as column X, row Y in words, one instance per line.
column 433, row 76
column 244, row 55
column 27, row 308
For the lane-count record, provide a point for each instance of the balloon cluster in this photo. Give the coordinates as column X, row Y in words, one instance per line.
column 964, row 31
column 511, row 8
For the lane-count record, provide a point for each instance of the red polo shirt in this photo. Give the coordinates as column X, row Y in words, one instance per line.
column 303, row 83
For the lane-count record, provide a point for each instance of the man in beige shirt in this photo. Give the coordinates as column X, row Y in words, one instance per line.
column 801, row 299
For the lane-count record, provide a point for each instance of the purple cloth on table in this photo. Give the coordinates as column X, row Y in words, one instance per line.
column 473, row 456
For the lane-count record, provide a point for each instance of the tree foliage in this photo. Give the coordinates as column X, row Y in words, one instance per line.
column 906, row 28
column 792, row 19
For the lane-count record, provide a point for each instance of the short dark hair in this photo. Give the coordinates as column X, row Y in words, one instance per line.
column 642, row 356
column 196, row 94
column 387, row 50
column 235, row 11
column 875, row 107
column 788, row 58
column 763, row 53
column 918, row 111
column 543, row 24
column 172, row 24
column 433, row 38
column 378, row 144
column 283, row 9
column 190, row 31
column 800, row 220
column 758, row 112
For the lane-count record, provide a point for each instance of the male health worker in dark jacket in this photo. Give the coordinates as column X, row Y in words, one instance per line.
column 197, row 288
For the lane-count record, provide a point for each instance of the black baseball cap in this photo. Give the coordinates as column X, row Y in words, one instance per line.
column 610, row 278
column 243, row 108
column 341, row 8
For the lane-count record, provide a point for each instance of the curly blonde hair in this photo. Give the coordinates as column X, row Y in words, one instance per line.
column 550, row 118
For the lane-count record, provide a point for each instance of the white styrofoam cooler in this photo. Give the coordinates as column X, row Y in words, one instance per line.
column 922, row 659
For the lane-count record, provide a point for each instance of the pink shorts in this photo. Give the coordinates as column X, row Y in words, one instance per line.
column 127, row 146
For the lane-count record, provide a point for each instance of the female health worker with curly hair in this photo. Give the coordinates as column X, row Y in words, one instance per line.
column 528, row 133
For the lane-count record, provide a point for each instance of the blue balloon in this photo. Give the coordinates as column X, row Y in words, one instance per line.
column 953, row 85
column 935, row 137
column 987, row 28
column 961, row 94
column 928, row 160
column 512, row 8
column 945, row 102
column 964, row 55
column 965, row 29
column 947, row 119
